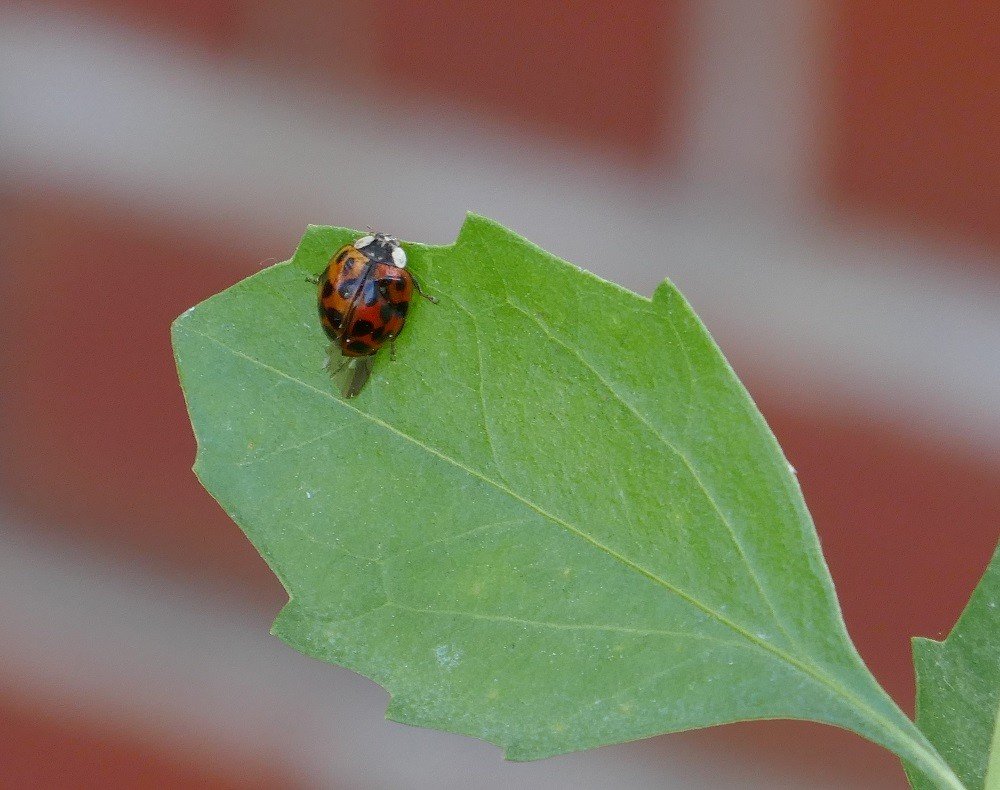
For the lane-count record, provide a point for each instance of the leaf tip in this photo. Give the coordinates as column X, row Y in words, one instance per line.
column 666, row 292
column 517, row 753
column 472, row 216
column 292, row 626
column 395, row 710
column 472, row 223
column 198, row 467
column 177, row 324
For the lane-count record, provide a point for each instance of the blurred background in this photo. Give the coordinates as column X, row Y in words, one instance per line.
column 821, row 179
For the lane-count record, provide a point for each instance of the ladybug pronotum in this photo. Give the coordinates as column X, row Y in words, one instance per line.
column 364, row 295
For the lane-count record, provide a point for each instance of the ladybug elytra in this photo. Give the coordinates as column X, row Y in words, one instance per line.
column 364, row 295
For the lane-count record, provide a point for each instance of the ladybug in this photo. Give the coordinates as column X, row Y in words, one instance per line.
column 364, row 295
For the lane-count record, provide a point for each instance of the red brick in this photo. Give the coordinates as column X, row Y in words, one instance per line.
column 915, row 116
column 212, row 25
column 601, row 74
column 95, row 437
column 39, row 750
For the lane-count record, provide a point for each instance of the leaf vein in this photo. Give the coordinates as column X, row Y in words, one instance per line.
column 257, row 459
column 513, row 494
column 801, row 665
column 689, row 408
column 737, row 543
column 500, row 618
column 455, row 537
column 482, row 391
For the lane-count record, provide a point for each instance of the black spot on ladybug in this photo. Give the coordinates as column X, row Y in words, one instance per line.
column 378, row 335
column 327, row 288
column 400, row 285
column 360, row 347
column 383, row 288
column 391, row 310
column 362, row 328
column 343, row 255
column 334, row 317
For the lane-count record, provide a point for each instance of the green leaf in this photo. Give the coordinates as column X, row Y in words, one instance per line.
column 556, row 521
column 958, row 689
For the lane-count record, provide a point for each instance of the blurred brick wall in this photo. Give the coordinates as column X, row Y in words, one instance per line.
column 211, row 25
column 604, row 74
column 591, row 75
column 914, row 116
column 90, row 393
column 50, row 750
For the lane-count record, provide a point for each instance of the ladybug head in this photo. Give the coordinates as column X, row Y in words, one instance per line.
column 383, row 247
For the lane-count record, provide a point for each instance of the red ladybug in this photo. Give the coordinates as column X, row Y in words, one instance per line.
column 364, row 295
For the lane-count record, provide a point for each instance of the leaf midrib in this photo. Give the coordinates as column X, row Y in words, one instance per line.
column 675, row 450
column 808, row 669
column 509, row 492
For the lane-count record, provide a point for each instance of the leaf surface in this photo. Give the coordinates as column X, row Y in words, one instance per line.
column 958, row 689
column 556, row 521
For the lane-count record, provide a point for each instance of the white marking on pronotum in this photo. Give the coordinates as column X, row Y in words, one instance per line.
column 399, row 257
column 364, row 241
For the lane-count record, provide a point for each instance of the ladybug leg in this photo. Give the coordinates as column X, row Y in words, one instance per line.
column 428, row 297
column 313, row 278
column 392, row 348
